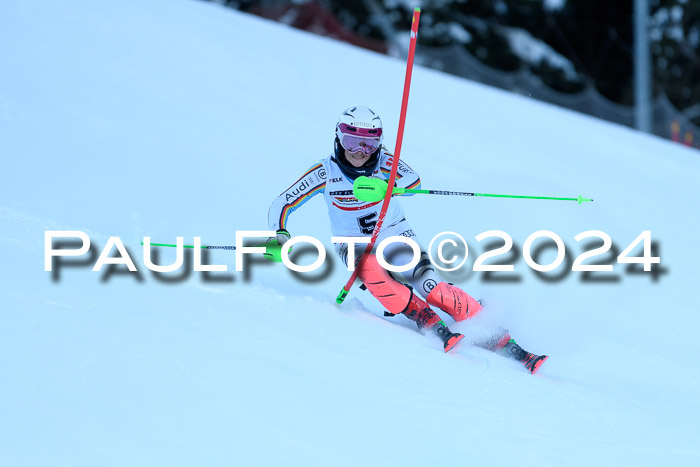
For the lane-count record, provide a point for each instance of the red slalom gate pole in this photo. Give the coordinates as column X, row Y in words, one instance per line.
column 397, row 153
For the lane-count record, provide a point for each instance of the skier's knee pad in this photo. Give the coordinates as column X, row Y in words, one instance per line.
column 392, row 294
column 454, row 301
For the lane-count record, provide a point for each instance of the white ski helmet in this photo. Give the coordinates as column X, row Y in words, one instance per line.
column 359, row 130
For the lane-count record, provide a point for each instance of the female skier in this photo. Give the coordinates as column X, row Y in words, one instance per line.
column 359, row 151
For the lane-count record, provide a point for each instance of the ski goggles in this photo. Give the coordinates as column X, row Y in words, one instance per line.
column 360, row 140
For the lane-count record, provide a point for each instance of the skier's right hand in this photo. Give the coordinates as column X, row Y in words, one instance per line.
column 282, row 237
column 273, row 246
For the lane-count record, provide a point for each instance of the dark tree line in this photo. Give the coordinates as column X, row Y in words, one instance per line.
column 595, row 37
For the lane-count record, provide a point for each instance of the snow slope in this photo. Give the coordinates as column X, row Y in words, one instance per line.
column 164, row 118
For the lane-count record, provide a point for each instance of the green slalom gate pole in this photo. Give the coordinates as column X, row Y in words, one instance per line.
column 374, row 189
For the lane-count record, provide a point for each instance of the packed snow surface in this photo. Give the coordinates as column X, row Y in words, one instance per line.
column 167, row 118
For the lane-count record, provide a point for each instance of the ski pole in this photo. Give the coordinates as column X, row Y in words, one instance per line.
column 207, row 247
column 273, row 250
column 397, row 153
column 374, row 189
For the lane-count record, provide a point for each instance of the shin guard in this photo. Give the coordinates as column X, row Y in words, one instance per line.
column 454, row 301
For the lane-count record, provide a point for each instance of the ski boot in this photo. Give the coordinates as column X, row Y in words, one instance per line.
column 531, row 361
column 501, row 342
column 425, row 318
column 449, row 338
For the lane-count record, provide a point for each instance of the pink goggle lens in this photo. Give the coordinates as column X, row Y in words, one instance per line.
column 360, row 145
column 360, row 140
